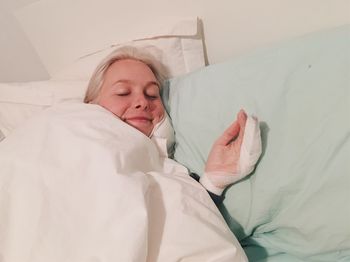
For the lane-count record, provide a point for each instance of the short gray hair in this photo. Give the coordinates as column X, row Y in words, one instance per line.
column 127, row 52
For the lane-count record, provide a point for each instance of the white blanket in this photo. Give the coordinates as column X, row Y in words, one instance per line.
column 78, row 184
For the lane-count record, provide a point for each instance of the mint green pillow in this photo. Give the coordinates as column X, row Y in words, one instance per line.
column 295, row 207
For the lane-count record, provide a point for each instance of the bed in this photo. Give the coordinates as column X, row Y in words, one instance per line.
column 293, row 207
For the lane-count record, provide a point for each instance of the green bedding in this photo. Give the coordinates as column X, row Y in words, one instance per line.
column 296, row 205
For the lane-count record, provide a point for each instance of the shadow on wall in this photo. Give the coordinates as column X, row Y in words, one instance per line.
column 201, row 35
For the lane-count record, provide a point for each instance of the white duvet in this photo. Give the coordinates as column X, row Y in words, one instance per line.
column 77, row 184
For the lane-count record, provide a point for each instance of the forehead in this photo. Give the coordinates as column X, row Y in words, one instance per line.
column 131, row 70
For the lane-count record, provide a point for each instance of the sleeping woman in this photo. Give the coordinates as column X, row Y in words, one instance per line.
column 128, row 83
column 93, row 181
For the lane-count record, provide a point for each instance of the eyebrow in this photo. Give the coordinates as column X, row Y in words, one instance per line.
column 128, row 82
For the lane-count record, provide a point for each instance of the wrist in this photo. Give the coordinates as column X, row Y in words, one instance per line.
column 207, row 183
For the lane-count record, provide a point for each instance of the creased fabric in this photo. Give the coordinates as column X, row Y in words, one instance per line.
column 78, row 184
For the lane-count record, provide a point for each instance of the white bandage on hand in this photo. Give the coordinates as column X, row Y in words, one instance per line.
column 250, row 152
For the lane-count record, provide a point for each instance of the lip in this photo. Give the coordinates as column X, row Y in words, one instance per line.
column 138, row 118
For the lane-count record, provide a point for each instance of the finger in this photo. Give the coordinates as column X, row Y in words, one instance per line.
column 242, row 120
column 242, row 116
column 229, row 134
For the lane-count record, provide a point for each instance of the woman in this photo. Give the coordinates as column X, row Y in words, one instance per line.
column 128, row 83
column 91, row 181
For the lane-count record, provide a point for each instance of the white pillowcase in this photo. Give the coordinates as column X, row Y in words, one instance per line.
column 181, row 55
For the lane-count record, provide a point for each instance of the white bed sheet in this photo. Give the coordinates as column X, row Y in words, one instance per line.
column 78, row 184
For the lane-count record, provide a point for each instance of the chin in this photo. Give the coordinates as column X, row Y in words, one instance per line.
column 146, row 132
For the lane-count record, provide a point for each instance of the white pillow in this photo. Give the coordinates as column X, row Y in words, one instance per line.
column 180, row 55
column 19, row 101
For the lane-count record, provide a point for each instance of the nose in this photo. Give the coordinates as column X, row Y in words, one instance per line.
column 141, row 103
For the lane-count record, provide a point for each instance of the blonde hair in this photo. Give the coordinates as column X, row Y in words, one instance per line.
column 126, row 52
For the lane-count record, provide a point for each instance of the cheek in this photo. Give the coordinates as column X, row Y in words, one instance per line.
column 117, row 107
column 159, row 111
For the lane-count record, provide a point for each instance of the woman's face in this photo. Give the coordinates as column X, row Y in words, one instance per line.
column 131, row 91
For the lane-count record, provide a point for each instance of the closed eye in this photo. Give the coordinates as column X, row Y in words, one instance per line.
column 152, row 97
column 152, row 94
column 122, row 92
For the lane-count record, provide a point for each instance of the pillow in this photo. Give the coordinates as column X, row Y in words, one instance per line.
column 20, row 101
column 294, row 207
column 180, row 54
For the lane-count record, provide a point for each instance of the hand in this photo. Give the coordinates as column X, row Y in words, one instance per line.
column 225, row 153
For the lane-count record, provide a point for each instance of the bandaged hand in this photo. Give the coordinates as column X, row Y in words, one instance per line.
column 233, row 155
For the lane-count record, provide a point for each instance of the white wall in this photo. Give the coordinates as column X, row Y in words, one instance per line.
column 238, row 26
column 18, row 59
column 231, row 27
